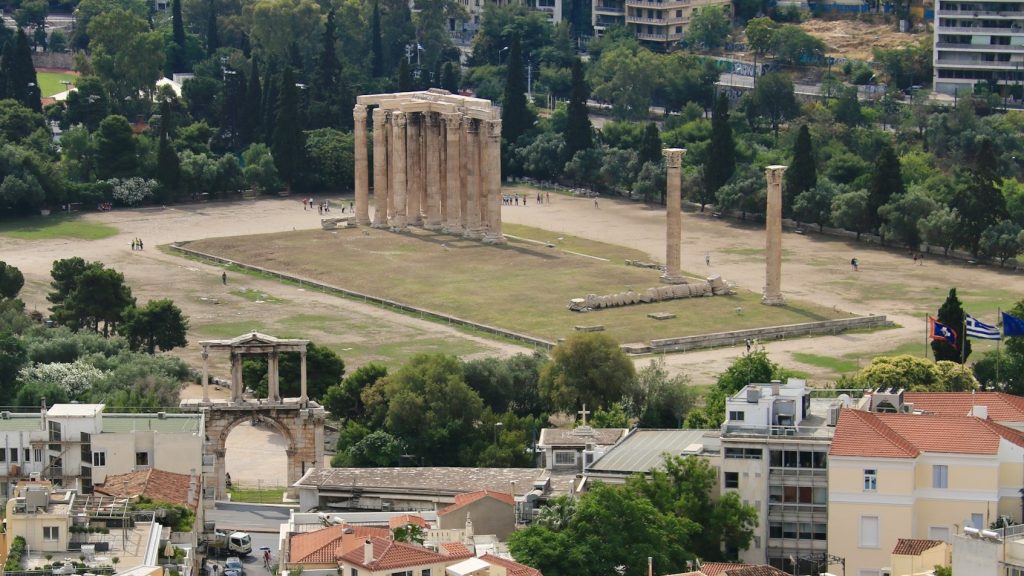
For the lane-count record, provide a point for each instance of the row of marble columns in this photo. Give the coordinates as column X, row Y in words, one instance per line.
column 439, row 170
column 273, row 377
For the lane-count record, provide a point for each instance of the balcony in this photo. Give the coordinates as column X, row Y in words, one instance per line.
column 790, row 511
column 786, row 545
column 979, row 47
column 659, row 37
column 654, row 21
column 617, row 10
column 658, row 5
column 985, row 30
column 985, row 13
column 977, row 65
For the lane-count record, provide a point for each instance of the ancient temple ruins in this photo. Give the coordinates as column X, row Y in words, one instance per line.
column 436, row 163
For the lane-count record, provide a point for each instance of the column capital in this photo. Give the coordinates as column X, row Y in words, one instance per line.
column 359, row 112
column 399, row 118
column 380, row 116
column 430, row 119
column 673, row 156
column 774, row 173
column 493, row 129
column 452, row 119
column 471, row 125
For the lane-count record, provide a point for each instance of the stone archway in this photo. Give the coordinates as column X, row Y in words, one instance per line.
column 298, row 420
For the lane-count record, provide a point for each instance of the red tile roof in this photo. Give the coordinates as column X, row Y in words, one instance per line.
column 470, row 497
column 157, row 485
column 390, row 555
column 760, row 570
column 513, row 568
column 719, row 568
column 406, row 519
column 455, row 550
column 914, row 547
column 1001, row 407
column 327, row 545
column 907, row 435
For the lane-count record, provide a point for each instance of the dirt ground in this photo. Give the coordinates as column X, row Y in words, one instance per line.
column 855, row 39
column 815, row 269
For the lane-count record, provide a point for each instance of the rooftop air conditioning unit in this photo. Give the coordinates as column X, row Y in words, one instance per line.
column 5, row 415
column 833, row 414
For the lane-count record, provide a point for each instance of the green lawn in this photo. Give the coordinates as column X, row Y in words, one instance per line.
column 50, row 82
column 55, row 226
column 272, row 495
column 522, row 286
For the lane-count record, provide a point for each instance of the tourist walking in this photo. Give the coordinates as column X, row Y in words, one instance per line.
column 224, row 278
column 854, row 264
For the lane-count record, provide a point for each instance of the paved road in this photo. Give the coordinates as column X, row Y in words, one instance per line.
column 254, row 518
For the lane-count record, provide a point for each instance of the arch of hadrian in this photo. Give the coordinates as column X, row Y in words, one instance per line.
column 436, row 163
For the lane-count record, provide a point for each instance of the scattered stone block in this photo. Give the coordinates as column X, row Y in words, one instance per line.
column 594, row 328
column 661, row 315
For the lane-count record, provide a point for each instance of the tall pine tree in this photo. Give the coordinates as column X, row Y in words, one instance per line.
column 980, row 203
column 331, row 100
column 405, row 83
column 579, row 134
column 251, row 115
column 212, row 31
column 450, row 77
column 18, row 73
column 271, row 85
column 952, row 315
column 516, row 117
column 886, row 182
column 168, row 166
column 376, row 42
column 650, row 145
column 178, row 30
column 721, row 158
column 287, row 146
column 802, row 174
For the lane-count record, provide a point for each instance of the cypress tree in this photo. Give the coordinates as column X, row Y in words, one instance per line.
column 270, row 97
column 287, row 146
column 435, row 78
column 404, row 76
column 251, row 114
column 721, row 160
column 516, row 117
column 886, row 182
column 212, row 32
column 980, row 204
column 168, row 166
column 376, row 42
column 579, row 134
column 952, row 315
column 328, row 68
column 450, row 77
column 650, row 145
column 802, row 174
column 23, row 85
column 6, row 70
column 178, row 29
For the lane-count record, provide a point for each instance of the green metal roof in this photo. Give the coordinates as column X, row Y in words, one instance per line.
column 21, row 423
column 170, row 423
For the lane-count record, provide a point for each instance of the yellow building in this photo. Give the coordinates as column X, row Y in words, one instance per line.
column 39, row 515
column 662, row 22
column 916, row 476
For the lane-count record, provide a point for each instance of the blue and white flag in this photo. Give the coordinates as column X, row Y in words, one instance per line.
column 978, row 329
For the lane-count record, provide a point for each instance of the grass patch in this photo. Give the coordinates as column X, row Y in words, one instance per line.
column 256, row 296
column 272, row 495
column 838, row 365
column 50, row 82
column 522, row 286
column 56, row 226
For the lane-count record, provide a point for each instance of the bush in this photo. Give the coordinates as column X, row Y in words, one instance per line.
column 15, row 554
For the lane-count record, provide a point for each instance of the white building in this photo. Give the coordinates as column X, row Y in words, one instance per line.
column 978, row 42
column 77, row 445
column 658, row 23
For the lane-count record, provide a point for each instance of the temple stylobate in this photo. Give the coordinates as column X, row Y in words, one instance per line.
column 436, row 163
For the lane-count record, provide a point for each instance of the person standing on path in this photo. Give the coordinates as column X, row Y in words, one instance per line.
column 707, row 258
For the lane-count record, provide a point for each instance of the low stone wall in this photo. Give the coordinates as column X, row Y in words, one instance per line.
column 684, row 343
column 384, row 302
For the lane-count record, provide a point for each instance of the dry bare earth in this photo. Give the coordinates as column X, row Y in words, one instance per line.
column 855, row 39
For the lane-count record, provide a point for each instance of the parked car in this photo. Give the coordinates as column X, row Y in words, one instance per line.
column 235, row 564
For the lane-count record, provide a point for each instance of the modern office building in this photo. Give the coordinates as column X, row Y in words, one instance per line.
column 979, row 43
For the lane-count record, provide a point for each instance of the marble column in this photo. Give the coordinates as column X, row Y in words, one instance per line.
column 432, row 142
column 206, row 377
column 471, row 169
column 491, row 178
column 303, row 398
column 773, row 238
column 237, row 386
column 399, row 167
column 673, row 215
column 273, row 378
column 380, row 168
column 362, row 178
column 415, row 185
column 453, row 169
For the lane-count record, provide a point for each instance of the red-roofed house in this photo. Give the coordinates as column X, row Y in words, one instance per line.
column 895, row 476
column 731, row 569
column 380, row 557
column 491, row 565
column 405, row 520
column 911, row 556
column 157, row 485
column 490, row 512
column 1001, row 407
column 323, row 548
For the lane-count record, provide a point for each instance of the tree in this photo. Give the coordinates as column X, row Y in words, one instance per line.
column 115, row 149
column 1002, row 241
column 902, row 216
column 587, row 368
column 18, row 74
column 773, row 99
column 344, row 400
column 178, row 63
column 886, row 182
column 802, row 174
column 626, row 76
column 516, row 116
column 815, row 205
column 980, row 202
column 13, row 357
column 847, row 109
column 916, row 374
column 937, row 229
column 260, row 171
column 650, row 145
column 709, row 27
column 761, row 34
column 850, row 211
column 376, row 47
column 168, row 166
column 288, row 138
column 324, row 368
column 795, row 46
column 507, row 384
column 752, row 367
column 128, row 56
column 375, row 450
column 558, row 513
column 212, row 30
column 952, row 315
column 250, row 128
column 658, row 400
column 11, row 281
column 409, row 533
column 579, row 134
column 721, row 157
column 158, row 324
column 450, row 77
column 100, row 296
column 330, row 163
column 544, row 158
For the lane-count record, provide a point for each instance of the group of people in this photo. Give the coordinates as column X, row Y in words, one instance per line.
column 325, row 206
column 512, row 199
column 137, row 244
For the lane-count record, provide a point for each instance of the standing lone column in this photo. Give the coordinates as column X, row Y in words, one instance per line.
column 452, row 130
column 362, row 178
column 490, row 175
column 472, row 172
column 398, row 167
column 380, row 169
column 303, row 398
column 414, row 158
column 773, row 238
column 674, row 215
column 432, row 140
column 206, row 377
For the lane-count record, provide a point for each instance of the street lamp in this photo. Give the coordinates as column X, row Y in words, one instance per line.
column 499, row 54
column 497, row 427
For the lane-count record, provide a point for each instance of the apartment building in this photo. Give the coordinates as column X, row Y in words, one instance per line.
column 774, row 454
column 978, row 42
column 78, row 445
column 902, row 474
column 658, row 23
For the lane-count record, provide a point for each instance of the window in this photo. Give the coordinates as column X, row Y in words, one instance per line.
column 142, row 458
column 51, row 533
column 940, row 476
column 402, row 573
column 978, row 521
column 14, row 455
column 938, row 533
column 870, row 480
column 354, row 572
column 38, row 455
column 744, row 453
column 425, row 572
column 679, row 13
column 736, row 415
column 3, row 455
column 732, row 479
column 99, row 458
column 869, row 531
column 26, row 455
column 565, row 457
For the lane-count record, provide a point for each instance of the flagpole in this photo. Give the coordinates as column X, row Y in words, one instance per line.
column 963, row 341
column 927, row 327
column 999, row 357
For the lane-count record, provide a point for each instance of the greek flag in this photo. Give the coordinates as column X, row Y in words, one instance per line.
column 978, row 329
